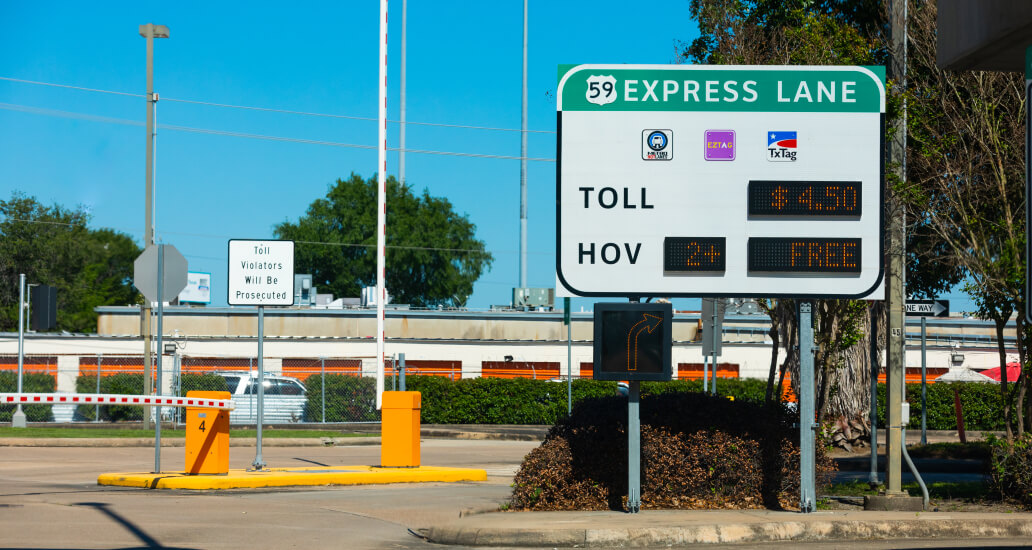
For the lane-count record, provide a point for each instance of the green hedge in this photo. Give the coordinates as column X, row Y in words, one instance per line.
column 983, row 409
column 348, row 399
column 489, row 400
column 201, row 382
column 34, row 382
column 126, row 384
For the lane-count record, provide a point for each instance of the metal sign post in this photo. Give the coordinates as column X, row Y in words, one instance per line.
column 633, row 447
column 807, row 421
column 633, row 342
column 259, row 463
column 161, row 355
column 569, row 355
column 261, row 273
column 925, row 309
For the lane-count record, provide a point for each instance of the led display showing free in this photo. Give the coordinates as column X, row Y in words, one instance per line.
column 804, row 255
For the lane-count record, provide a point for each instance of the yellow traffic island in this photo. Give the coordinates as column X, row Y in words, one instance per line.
column 288, row 477
column 207, row 456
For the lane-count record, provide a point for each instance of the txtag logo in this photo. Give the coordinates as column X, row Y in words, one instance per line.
column 781, row 146
column 657, row 144
column 720, row 145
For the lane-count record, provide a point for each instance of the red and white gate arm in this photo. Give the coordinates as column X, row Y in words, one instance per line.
column 112, row 399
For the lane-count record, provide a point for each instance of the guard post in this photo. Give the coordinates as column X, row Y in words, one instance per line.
column 399, row 429
column 207, row 436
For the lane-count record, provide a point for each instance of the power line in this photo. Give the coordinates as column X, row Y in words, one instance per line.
column 189, row 129
column 320, row 243
column 19, row 80
column 274, row 110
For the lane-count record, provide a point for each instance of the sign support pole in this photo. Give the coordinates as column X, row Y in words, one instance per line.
column 258, row 463
column 807, row 472
column 633, row 448
column 569, row 355
column 716, row 304
column 924, row 380
column 161, row 355
column 872, row 479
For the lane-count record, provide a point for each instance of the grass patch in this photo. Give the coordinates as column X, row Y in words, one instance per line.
column 964, row 490
column 165, row 432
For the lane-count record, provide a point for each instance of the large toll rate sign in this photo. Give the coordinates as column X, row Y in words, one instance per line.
column 680, row 180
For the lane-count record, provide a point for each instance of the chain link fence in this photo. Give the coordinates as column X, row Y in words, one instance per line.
column 296, row 390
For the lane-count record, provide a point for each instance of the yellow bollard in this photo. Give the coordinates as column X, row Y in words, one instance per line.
column 207, row 436
column 399, row 429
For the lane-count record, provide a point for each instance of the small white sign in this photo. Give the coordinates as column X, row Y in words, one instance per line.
column 261, row 273
column 198, row 288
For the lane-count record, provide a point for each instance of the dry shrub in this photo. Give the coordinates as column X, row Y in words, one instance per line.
column 697, row 452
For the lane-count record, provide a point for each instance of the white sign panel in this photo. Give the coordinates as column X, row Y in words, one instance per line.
column 198, row 288
column 261, row 273
column 680, row 180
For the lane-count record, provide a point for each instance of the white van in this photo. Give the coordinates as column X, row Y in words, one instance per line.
column 284, row 398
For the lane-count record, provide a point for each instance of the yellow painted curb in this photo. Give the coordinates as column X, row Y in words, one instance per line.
column 284, row 477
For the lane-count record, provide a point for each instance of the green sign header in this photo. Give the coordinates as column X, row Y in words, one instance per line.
column 846, row 89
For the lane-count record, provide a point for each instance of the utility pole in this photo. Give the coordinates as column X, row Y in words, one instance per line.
column 149, row 31
column 895, row 298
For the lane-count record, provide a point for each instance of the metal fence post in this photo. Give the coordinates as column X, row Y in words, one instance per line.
column 96, row 408
column 401, row 357
column 322, row 368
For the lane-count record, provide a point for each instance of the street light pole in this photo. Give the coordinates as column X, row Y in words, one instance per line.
column 149, row 31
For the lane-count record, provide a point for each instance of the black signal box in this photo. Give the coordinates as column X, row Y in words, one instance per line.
column 632, row 341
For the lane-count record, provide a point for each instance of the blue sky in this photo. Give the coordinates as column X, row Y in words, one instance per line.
column 464, row 67
column 76, row 147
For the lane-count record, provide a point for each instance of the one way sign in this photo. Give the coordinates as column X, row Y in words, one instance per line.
column 928, row 308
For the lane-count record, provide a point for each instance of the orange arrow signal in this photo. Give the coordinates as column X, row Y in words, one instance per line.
column 651, row 322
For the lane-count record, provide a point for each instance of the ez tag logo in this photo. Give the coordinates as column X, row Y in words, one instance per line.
column 601, row 89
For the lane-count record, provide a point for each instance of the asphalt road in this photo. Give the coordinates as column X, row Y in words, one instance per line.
column 49, row 499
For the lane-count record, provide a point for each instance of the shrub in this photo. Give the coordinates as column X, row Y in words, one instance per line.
column 1011, row 468
column 32, row 382
column 983, row 409
column 698, row 451
column 348, row 399
column 126, row 384
column 189, row 382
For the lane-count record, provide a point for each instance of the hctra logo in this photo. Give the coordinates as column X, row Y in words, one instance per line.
column 781, row 146
column 657, row 144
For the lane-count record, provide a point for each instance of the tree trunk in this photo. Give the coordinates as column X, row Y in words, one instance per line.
column 1001, row 347
column 775, row 344
column 848, row 389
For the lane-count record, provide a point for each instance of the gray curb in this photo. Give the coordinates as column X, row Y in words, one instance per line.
column 823, row 530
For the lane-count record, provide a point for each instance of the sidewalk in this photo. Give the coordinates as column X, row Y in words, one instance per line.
column 653, row 528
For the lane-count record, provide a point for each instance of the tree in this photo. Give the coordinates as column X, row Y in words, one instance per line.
column 433, row 257
column 53, row 245
column 965, row 185
column 806, row 32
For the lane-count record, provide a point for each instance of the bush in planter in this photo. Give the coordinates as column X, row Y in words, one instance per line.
column 32, row 382
column 698, row 451
column 1010, row 471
